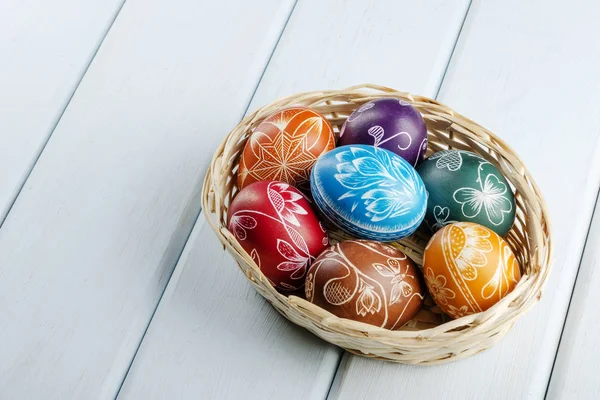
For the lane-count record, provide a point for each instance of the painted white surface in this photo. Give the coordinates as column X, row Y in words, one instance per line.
column 528, row 71
column 91, row 241
column 45, row 47
column 335, row 44
column 575, row 373
column 90, row 244
column 212, row 336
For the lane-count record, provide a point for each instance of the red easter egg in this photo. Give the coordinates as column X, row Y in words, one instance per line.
column 277, row 227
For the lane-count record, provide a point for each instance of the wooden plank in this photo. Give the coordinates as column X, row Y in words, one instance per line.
column 45, row 51
column 400, row 44
column 89, row 245
column 505, row 74
column 212, row 335
column 574, row 373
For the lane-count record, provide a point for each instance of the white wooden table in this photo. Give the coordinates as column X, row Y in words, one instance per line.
column 113, row 286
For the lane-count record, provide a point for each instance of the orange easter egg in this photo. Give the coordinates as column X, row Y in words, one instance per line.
column 284, row 147
column 468, row 268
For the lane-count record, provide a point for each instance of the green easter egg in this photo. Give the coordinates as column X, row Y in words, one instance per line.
column 463, row 186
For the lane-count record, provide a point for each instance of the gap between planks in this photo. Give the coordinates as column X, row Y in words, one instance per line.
column 345, row 354
column 42, row 146
column 137, row 221
column 501, row 74
column 432, row 88
column 199, row 211
column 591, row 241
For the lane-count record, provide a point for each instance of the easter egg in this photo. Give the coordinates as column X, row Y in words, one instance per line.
column 468, row 268
column 284, row 147
column 366, row 281
column 463, row 186
column 389, row 123
column 276, row 226
column 369, row 192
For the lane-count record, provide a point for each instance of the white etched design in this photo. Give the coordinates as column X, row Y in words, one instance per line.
column 334, row 290
column 284, row 202
column 255, row 257
column 473, row 254
column 322, row 227
column 400, row 288
column 368, row 300
column 385, row 185
column 286, row 155
column 296, row 254
column 504, row 276
column 449, row 159
column 467, row 250
column 422, row 151
column 403, row 102
column 441, row 215
column 491, row 196
column 358, row 289
column 360, row 110
column 240, row 224
column 377, row 132
column 336, row 293
column 295, row 263
column 437, row 287
column 310, row 285
column 325, row 239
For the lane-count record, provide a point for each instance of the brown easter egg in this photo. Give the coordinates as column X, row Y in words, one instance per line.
column 366, row 281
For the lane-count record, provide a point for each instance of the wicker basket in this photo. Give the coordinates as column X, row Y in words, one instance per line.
column 430, row 337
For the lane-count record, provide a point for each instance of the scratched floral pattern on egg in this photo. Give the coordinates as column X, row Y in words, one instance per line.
column 369, row 192
column 279, row 230
column 468, row 268
column 284, row 147
column 391, row 190
column 390, row 123
column 463, row 186
column 365, row 281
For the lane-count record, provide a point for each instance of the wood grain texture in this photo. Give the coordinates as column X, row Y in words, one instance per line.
column 44, row 51
column 574, row 374
column 504, row 75
column 94, row 236
column 212, row 335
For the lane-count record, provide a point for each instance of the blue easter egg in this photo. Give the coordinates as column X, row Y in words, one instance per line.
column 369, row 192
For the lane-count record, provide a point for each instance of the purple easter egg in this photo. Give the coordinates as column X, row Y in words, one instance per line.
column 392, row 124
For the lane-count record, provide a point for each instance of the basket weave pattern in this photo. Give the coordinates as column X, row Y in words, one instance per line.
column 430, row 337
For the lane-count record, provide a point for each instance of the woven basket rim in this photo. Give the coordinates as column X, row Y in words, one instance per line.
column 451, row 340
